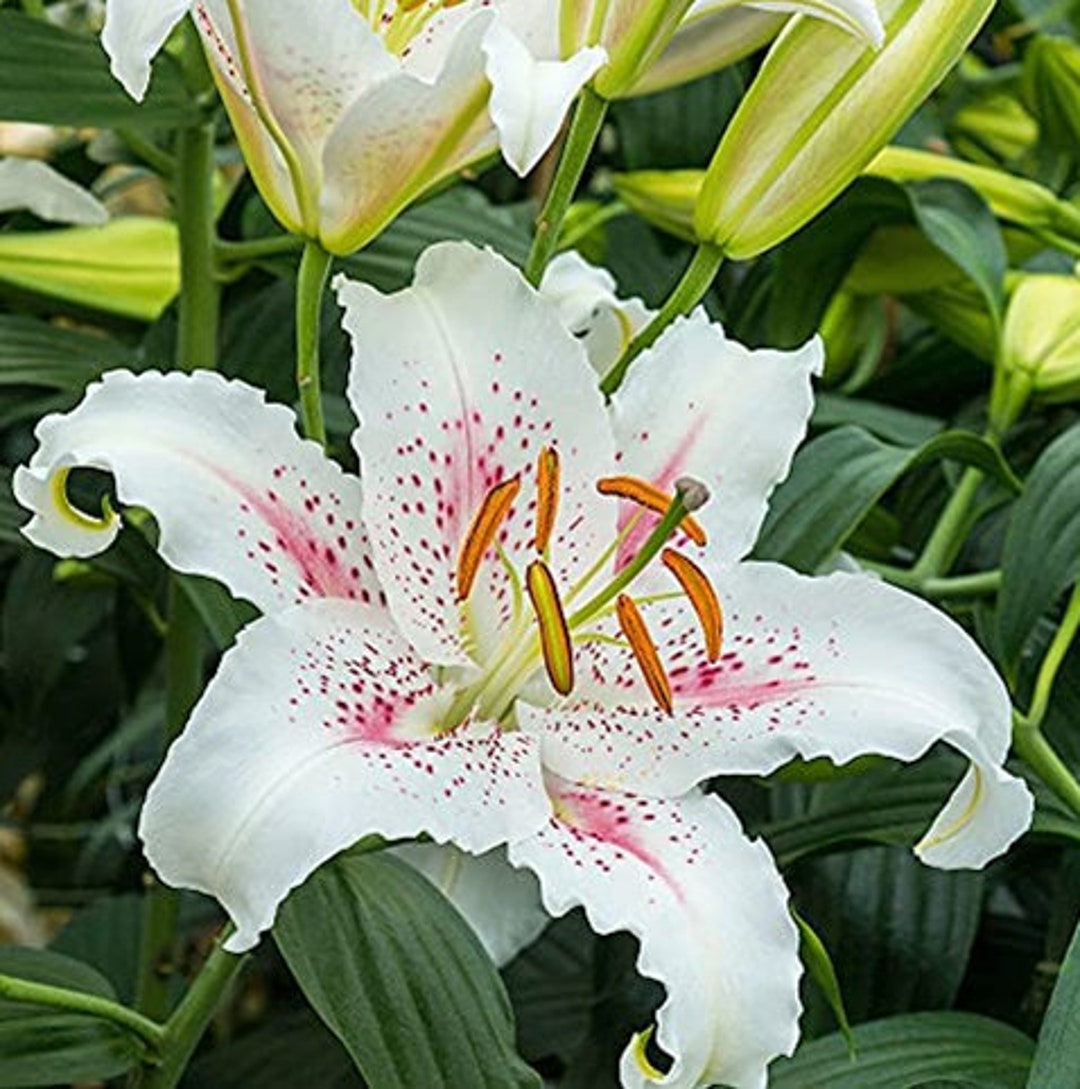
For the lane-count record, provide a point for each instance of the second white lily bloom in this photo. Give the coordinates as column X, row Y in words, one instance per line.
column 496, row 640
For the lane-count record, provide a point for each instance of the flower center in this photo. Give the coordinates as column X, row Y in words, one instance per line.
column 399, row 23
column 547, row 626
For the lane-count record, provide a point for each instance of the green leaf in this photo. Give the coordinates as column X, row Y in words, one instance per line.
column 887, row 422
column 820, row 966
column 900, row 933
column 812, row 265
column 59, row 78
column 400, row 978
column 1042, row 546
column 839, row 477
column 908, row 1051
column 105, row 936
column 40, row 1045
column 12, row 516
column 1057, row 1057
column 959, row 222
column 35, row 353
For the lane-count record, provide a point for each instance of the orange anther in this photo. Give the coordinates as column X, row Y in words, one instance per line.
column 547, row 495
column 485, row 524
column 699, row 590
column 652, row 669
column 555, row 640
column 651, row 497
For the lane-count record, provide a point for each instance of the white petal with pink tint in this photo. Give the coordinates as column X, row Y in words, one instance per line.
column 236, row 493
column 701, row 405
column 319, row 729
column 459, row 382
column 501, row 904
column 710, row 911
column 836, row 667
column 134, row 31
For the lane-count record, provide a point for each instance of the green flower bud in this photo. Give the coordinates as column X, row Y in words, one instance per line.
column 1051, row 89
column 1042, row 334
column 664, row 198
column 821, row 107
column 1012, row 199
column 992, row 128
column 959, row 311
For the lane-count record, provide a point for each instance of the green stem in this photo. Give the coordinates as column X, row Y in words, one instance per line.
column 689, row 291
column 199, row 294
column 187, row 1025
column 1051, row 663
column 158, row 160
column 256, row 248
column 584, row 130
column 947, row 538
column 310, row 285
column 161, row 906
column 1033, row 748
column 43, row 994
column 983, row 583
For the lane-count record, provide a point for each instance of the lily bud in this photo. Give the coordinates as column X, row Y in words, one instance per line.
column 1042, row 334
column 993, row 128
column 1015, row 200
column 664, row 198
column 821, row 107
column 129, row 266
column 1051, row 89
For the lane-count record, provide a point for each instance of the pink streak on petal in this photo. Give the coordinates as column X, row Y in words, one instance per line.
column 589, row 815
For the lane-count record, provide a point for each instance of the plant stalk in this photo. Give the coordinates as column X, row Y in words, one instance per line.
column 310, row 286
column 584, row 131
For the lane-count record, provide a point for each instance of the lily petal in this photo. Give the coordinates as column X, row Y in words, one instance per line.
column 36, row 186
column 459, row 382
column 838, row 667
column 590, row 308
column 530, row 96
column 692, row 406
column 318, row 729
column 236, row 493
column 858, row 17
column 134, row 31
column 500, row 903
column 402, row 136
column 710, row 911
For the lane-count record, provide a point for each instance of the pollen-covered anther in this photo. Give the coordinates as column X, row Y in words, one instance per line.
column 555, row 642
column 481, row 533
column 655, row 499
column 547, row 495
column 697, row 587
column 641, row 643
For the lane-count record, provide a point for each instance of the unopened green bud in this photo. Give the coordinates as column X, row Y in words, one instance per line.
column 822, row 105
column 1051, row 89
column 853, row 328
column 993, row 128
column 664, row 198
column 959, row 311
column 1012, row 199
column 129, row 266
column 1042, row 334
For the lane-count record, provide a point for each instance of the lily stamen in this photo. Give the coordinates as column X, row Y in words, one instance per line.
column 481, row 533
column 555, row 641
column 652, row 498
column 547, row 496
column 637, row 634
column 703, row 598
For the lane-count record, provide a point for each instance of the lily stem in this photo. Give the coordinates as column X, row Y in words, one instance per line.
column 43, row 994
column 584, row 131
column 310, row 286
column 253, row 249
column 1051, row 663
column 690, row 290
column 185, row 1028
column 948, row 536
column 979, row 584
column 1030, row 744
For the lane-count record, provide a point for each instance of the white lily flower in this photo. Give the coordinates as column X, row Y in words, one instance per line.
column 348, row 111
column 497, row 640
column 591, row 309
